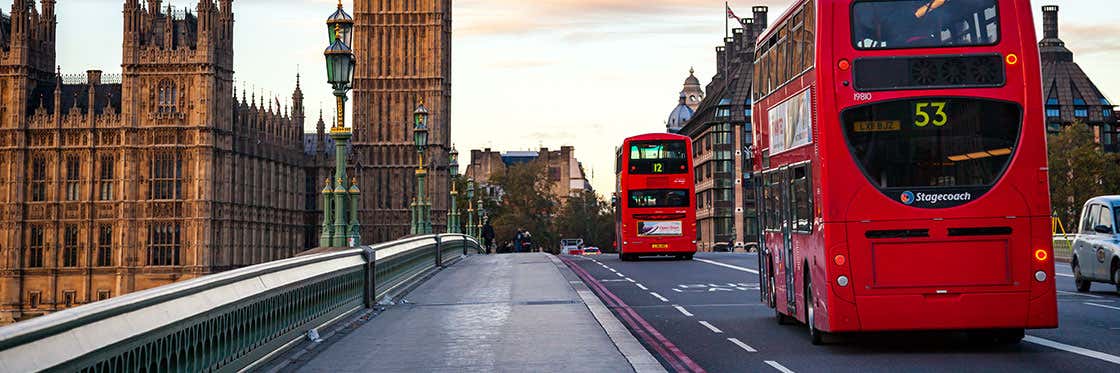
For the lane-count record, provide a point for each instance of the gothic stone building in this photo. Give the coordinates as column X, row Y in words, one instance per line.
column 403, row 49
column 721, row 134
column 110, row 185
column 564, row 170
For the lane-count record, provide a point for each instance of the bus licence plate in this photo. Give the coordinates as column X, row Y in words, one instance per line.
column 660, row 246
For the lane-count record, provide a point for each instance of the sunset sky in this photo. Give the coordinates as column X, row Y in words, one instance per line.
column 531, row 73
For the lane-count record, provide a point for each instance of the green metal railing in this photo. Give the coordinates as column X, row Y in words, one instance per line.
column 1063, row 246
column 227, row 321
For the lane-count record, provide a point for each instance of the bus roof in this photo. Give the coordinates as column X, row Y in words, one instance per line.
column 657, row 136
column 770, row 29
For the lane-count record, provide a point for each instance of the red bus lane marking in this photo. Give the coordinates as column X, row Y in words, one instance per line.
column 666, row 349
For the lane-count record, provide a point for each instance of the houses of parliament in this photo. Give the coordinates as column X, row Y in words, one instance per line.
column 111, row 184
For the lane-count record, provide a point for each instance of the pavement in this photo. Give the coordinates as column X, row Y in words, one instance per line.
column 709, row 313
column 495, row 313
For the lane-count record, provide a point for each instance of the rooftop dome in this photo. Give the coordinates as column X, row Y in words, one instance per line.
column 680, row 115
column 691, row 80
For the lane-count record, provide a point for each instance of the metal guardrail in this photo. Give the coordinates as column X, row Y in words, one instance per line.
column 1063, row 246
column 227, row 321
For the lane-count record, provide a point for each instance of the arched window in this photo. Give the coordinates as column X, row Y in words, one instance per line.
column 168, row 95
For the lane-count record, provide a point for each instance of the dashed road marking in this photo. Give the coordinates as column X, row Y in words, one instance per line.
column 711, row 327
column 643, row 287
column 658, row 296
column 677, row 290
column 1062, row 274
column 1079, row 294
column 737, row 268
column 613, row 270
column 742, row 345
column 684, row 311
column 1074, row 349
column 1102, row 306
column 620, row 275
column 630, row 279
column 777, row 366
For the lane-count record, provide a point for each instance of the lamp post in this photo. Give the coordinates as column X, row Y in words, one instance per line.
column 453, row 212
column 481, row 215
column 340, row 195
column 421, row 217
column 470, row 208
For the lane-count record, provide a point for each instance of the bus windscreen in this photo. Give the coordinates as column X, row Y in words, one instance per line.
column 658, row 198
column 894, row 24
column 658, row 157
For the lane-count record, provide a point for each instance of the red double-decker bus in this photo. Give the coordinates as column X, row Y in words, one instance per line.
column 902, row 155
column 654, row 201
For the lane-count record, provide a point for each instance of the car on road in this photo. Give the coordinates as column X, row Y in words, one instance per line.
column 591, row 250
column 1096, row 249
column 571, row 246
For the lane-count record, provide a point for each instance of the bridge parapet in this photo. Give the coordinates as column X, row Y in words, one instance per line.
column 226, row 321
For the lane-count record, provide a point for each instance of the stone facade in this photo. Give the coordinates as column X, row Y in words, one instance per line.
column 114, row 184
column 404, row 54
column 726, row 216
column 564, row 170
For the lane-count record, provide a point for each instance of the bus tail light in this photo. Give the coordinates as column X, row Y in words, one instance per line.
column 1041, row 255
column 1012, row 59
column 840, row 260
column 844, row 65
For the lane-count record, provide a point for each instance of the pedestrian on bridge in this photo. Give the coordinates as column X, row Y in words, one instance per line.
column 517, row 240
column 487, row 235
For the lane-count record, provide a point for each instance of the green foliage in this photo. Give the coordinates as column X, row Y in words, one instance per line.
column 588, row 217
column 1079, row 170
column 527, row 202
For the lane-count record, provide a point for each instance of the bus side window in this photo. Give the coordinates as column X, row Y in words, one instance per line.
column 801, row 199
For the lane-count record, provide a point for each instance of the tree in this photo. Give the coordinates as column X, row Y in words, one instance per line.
column 1079, row 170
column 588, row 217
column 527, row 203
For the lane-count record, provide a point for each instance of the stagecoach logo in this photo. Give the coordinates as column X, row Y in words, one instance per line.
column 909, row 198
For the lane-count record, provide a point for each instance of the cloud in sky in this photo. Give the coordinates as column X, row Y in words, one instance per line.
column 528, row 73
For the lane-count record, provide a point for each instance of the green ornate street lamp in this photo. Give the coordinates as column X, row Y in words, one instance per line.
column 340, row 195
column 421, row 207
column 453, row 212
column 481, row 215
column 470, row 208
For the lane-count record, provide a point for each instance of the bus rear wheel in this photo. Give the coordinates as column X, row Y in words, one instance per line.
column 816, row 336
column 998, row 336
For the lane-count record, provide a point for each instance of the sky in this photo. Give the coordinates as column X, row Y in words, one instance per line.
column 531, row 73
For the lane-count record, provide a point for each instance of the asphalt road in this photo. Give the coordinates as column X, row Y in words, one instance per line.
column 709, row 313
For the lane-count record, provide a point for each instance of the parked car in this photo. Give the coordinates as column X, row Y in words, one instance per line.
column 571, row 246
column 1096, row 249
column 591, row 250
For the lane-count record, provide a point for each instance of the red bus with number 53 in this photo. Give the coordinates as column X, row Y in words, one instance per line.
column 902, row 156
column 655, row 197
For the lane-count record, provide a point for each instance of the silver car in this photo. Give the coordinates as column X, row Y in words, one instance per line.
column 1096, row 250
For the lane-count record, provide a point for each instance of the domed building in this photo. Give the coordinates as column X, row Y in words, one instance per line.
column 690, row 99
column 680, row 115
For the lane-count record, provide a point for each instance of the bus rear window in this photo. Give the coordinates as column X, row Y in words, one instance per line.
column 658, row 198
column 899, row 24
column 658, row 157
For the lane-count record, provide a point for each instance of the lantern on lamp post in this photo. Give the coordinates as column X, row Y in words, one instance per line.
column 421, row 219
column 340, row 74
column 453, row 212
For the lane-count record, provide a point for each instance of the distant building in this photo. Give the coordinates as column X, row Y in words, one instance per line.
column 721, row 135
column 564, row 170
column 1071, row 97
column 689, row 100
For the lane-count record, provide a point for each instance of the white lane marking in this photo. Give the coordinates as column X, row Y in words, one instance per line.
column 620, row 275
column 742, row 345
column 640, row 286
column 677, row 290
column 658, row 296
column 737, row 268
column 777, row 366
column 711, row 327
column 631, row 280
column 612, row 270
column 684, row 311
column 1062, row 274
column 1102, row 306
column 1080, row 294
column 1074, row 349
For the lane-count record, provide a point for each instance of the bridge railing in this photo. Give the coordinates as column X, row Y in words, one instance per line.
column 1063, row 246
column 227, row 321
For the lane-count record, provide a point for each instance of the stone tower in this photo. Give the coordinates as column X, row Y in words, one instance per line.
column 403, row 51
column 692, row 91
